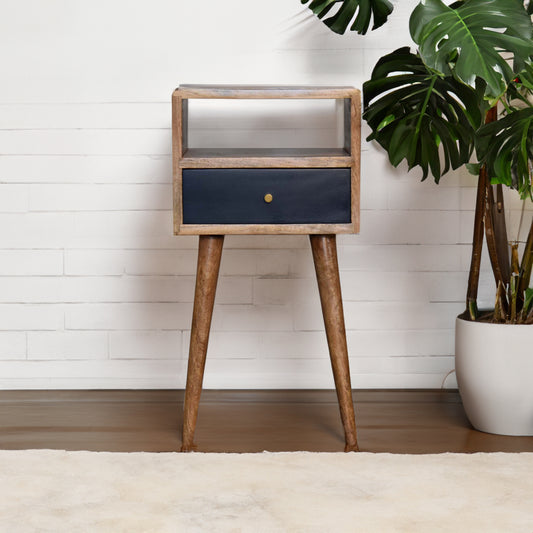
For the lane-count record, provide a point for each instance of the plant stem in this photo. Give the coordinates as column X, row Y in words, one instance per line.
column 477, row 245
column 490, row 235
column 507, row 107
column 500, row 314
column 422, row 111
column 527, row 263
column 477, row 239
column 513, row 291
column 500, row 233
column 513, row 285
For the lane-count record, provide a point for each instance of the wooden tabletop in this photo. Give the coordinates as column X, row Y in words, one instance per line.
column 265, row 91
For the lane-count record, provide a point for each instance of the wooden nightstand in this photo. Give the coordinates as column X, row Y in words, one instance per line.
column 267, row 191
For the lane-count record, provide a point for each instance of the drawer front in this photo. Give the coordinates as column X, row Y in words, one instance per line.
column 266, row 196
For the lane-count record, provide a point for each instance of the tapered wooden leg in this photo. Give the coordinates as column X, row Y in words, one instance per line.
column 209, row 254
column 327, row 272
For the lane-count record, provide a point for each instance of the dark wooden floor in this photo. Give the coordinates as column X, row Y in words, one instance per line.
column 242, row 421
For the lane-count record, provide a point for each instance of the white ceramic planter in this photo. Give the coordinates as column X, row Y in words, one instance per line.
column 494, row 366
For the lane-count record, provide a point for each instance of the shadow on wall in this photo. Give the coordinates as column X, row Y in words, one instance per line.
column 322, row 56
column 157, row 279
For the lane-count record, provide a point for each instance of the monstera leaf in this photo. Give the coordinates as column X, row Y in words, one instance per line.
column 363, row 10
column 506, row 148
column 419, row 116
column 525, row 77
column 469, row 38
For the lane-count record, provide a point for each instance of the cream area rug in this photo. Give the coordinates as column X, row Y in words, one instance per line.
column 58, row 491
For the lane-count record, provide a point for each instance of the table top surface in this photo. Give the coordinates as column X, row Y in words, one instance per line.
column 265, row 91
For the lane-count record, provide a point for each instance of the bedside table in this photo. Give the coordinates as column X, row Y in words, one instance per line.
column 221, row 191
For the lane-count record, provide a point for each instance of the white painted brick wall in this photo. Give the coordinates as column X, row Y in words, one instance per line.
column 95, row 291
column 67, row 345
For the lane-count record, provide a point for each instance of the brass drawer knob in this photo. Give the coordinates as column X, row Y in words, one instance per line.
column 268, row 198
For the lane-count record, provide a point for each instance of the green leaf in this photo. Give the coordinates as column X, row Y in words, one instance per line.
column 506, row 148
column 419, row 116
column 473, row 168
column 362, row 10
column 528, row 302
column 520, row 91
column 468, row 40
column 385, row 122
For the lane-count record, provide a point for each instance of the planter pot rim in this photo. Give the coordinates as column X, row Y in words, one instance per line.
column 479, row 324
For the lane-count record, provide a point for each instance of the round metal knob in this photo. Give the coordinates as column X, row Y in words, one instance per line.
column 268, row 198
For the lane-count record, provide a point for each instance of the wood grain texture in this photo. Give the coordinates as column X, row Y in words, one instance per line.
column 347, row 157
column 267, row 162
column 265, row 157
column 327, row 272
column 177, row 187
column 209, row 255
column 178, row 148
column 184, row 126
column 347, row 125
column 356, row 210
column 388, row 421
column 264, row 91
column 264, row 229
column 355, row 143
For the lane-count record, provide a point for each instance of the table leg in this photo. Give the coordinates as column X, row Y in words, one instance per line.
column 327, row 272
column 209, row 254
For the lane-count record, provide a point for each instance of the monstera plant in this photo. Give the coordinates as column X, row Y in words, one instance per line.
column 464, row 96
column 473, row 64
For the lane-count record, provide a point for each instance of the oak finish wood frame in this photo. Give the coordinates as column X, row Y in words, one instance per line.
column 322, row 235
column 346, row 157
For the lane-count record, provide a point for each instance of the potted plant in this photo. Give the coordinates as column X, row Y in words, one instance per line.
column 466, row 94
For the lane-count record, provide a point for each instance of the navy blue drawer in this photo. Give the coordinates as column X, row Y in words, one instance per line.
column 237, row 196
